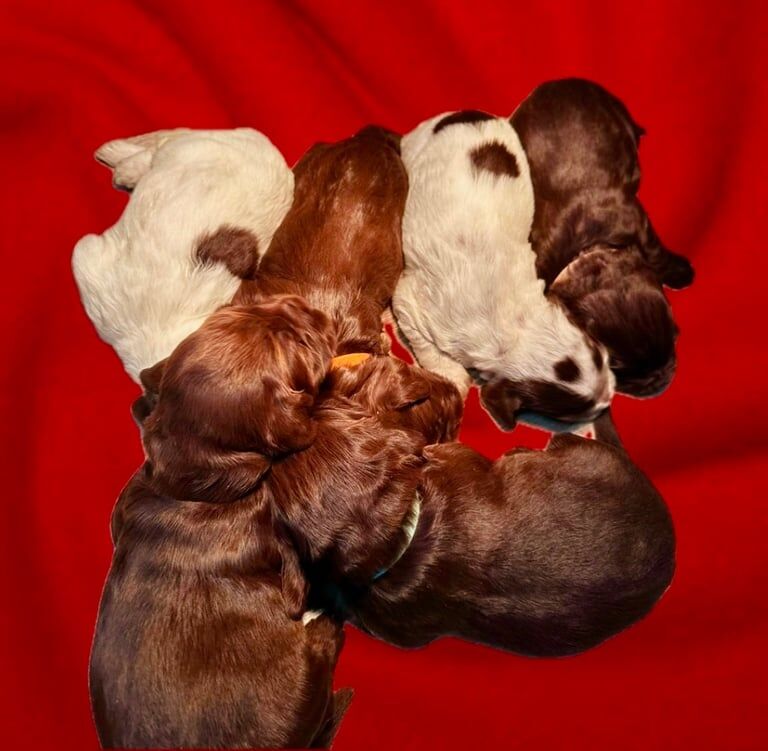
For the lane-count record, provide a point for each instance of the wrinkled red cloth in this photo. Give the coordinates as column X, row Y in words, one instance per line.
column 73, row 75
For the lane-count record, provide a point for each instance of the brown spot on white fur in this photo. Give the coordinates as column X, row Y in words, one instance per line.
column 495, row 158
column 236, row 248
column 567, row 370
column 464, row 116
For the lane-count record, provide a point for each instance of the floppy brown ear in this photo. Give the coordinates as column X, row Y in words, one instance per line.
column 286, row 420
column 150, row 379
column 501, row 403
column 671, row 269
column 409, row 392
column 186, row 467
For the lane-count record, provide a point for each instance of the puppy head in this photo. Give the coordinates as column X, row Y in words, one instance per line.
column 377, row 132
column 232, row 396
column 346, row 502
column 615, row 297
column 557, row 372
column 507, row 399
column 402, row 396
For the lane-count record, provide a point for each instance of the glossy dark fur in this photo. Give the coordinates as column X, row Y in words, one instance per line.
column 581, row 144
column 542, row 553
column 193, row 645
column 616, row 298
column 199, row 641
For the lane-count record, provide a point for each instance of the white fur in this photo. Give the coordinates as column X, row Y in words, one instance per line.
column 139, row 282
column 469, row 296
column 310, row 615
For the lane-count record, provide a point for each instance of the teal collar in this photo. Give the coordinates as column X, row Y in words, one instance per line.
column 410, row 522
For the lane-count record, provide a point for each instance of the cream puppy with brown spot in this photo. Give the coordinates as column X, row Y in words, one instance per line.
column 469, row 302
column 203, row 208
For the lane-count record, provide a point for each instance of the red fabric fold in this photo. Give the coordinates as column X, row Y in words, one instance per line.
column 75, row 74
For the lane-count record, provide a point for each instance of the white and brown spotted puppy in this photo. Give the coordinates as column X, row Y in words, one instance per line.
column 469, row 302
column 204, row 206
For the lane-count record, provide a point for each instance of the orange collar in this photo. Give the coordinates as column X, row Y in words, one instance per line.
column 351, row 360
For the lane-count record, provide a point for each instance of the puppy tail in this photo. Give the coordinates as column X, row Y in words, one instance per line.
column 130, row 158
column 340, row 702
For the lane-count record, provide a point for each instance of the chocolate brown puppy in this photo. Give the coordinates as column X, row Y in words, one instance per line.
column 339, row 247
column 542, row 553
column 200, row 640
column 581, row 143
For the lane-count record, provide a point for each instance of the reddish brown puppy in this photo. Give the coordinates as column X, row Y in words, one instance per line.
column 339, row 247
column 347, row 501
column 199, row 640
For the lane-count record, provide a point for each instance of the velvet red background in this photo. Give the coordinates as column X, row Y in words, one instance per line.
column 693, row 674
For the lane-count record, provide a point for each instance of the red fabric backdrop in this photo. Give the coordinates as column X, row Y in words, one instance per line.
column 691, row 676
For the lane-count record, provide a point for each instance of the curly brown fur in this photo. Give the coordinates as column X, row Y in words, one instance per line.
column 236, row 393
column 344, row 499
column 402, row 396
column 340, row 245
column 581, row 144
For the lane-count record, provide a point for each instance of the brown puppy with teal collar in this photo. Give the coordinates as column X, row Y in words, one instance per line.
column 541, row 552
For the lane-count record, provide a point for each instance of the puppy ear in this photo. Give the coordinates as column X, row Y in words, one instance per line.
column 286, row 422
column 186, row 467
column 671, row 269
column 501, row 403
column 141, row 409
column 676, row 271
column 407, row 393
column 150, row 379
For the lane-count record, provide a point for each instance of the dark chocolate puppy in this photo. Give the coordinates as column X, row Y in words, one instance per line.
column 541, row 552
column 581, row 144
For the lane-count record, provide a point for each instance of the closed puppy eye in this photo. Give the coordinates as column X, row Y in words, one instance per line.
column 478, row 376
